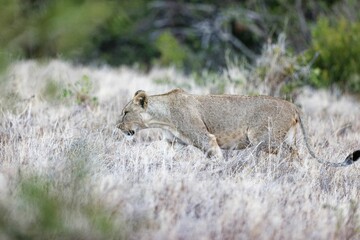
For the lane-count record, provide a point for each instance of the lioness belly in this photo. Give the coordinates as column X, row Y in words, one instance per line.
column 234, row 140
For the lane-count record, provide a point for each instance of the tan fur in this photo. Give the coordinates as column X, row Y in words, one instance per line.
column 214, row 122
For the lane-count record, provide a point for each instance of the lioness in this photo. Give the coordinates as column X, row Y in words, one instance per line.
column 215, row 122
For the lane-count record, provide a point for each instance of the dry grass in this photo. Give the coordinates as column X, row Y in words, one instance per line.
column 59, row 154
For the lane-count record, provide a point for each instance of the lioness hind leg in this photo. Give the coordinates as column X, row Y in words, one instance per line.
column 263, row 140
column 267, row 147
column 290, row 143
column 290, row 151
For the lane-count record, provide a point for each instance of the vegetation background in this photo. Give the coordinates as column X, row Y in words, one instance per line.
column 68, row 67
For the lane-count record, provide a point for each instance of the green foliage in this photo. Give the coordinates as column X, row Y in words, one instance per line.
column 52, row 91
column 171, row 50
column 49, row 28
column 338, row 45
column 280, row 69
column 44, row 212
column 216, row 82
column 190, row 34
column 35, row 195
column 80, row 92
column 315, row 76
column 124, row 38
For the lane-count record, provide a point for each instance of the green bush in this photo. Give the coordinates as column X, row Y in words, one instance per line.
column 279, row 70
column 49, row 28
column 171, row 50
column 81, row 92
column 338, row 46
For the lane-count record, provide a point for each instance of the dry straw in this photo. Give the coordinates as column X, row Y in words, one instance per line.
column 68, row 156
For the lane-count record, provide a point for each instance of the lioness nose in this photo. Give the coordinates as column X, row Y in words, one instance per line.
column 130, row 132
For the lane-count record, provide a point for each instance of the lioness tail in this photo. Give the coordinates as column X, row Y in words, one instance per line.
column 350, row 159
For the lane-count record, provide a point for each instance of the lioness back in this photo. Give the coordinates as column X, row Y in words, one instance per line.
column 242, row 121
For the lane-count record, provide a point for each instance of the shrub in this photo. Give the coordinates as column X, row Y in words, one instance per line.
column 49, row 28
column 81, row 92
column 171, row 50
column 278, row 71
column 338, row 46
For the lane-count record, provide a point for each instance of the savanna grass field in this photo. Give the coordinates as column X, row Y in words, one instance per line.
column 66, row 172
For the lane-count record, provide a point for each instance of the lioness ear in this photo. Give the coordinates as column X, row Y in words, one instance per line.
column 140, row 98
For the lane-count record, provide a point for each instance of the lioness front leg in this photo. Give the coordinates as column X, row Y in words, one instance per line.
column 211, row 147
column 205, row 141
column 192, row 130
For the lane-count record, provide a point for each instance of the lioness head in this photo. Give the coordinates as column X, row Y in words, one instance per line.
column 132, row 116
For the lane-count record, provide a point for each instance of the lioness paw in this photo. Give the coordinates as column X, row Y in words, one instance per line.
column 215, row 152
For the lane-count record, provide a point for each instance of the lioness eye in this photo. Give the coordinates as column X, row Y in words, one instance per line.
column 126, row 112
